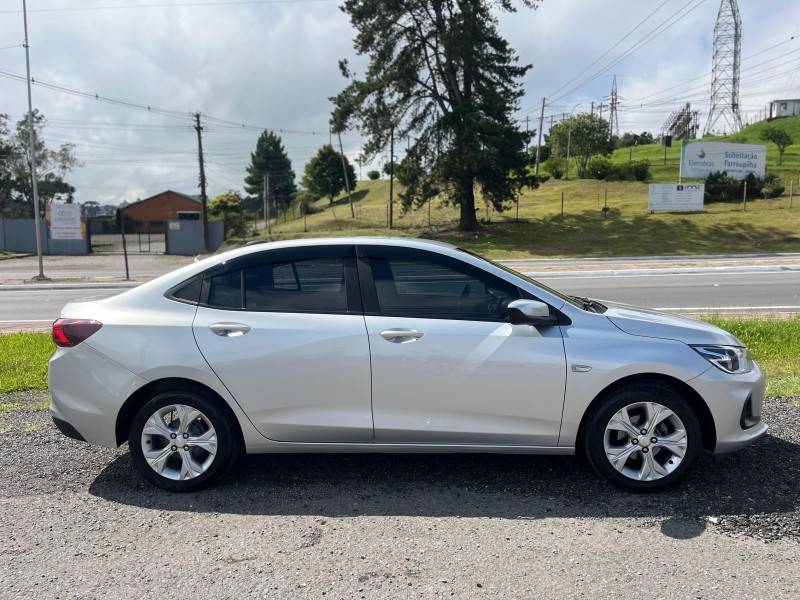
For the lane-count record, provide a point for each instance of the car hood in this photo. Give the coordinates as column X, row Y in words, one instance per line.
column 653, row 323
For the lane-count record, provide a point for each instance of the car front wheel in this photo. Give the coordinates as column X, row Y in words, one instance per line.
column 181, row 441
column 643, row 437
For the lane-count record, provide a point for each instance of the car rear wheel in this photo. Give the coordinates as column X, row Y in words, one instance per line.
column 643, row 437
column 181, row 441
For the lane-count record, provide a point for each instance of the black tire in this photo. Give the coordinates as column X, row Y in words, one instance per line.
column 598, row 419
column 228, row 440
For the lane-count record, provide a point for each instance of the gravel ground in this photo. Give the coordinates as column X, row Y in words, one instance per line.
column 77, row 522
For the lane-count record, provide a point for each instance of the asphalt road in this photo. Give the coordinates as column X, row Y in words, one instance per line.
column 78, row 522
column 761, row 291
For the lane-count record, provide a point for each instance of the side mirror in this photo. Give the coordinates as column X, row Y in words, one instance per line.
column 530, row 312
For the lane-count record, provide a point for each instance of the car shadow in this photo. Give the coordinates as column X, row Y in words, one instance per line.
column 759, row 479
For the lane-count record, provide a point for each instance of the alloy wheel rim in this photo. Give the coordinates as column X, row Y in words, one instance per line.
column 645, row 441
column 179, row 442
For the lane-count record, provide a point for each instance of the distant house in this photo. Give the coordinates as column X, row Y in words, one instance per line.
column 784, row 108
column 153, row 213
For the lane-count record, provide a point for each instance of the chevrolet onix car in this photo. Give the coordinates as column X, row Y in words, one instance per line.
column 390, row 345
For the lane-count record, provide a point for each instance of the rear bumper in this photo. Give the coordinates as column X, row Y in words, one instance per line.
column 87, row 391
column 735, row 402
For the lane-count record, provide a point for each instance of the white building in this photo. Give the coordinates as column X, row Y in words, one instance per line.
column 784, row 108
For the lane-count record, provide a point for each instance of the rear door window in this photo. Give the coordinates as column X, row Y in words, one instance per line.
column 309, row 285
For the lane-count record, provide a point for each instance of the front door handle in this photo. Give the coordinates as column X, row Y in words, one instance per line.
column 401, row 336
column 229, row 329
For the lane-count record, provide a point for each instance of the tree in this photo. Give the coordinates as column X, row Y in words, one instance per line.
column 374, row 174
column 323, row 174
column 52, row 166
column 585, row 135
column 270, row 158
column 228, row 205
column 440, row 73
column 779, row 137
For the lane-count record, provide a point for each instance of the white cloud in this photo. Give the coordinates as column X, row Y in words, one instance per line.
column 275, row 65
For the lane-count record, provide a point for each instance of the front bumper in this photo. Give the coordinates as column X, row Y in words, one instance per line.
column 735, row 402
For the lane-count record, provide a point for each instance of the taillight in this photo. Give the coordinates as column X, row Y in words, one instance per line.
column 71, row 332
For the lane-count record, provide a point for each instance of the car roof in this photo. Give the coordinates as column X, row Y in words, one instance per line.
column 259, row 246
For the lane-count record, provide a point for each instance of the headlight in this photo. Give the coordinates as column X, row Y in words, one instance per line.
column 731, row 359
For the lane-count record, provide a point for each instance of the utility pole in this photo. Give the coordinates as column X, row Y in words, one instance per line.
column 268, row 192
column 527, row 134
column 203, row 195
column 37, row 218
column 539, row 143
column 391, row 179
column 264, row 199
column 592, row 111
column 346, row 178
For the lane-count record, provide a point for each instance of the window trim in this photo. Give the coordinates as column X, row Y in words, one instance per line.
column 370, row 293
column 345, row 252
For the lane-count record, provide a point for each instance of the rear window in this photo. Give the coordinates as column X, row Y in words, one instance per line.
column 225, row 291
column 188, row 291
column 302, row 285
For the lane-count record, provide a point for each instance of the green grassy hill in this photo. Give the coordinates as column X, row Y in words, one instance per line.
column 626, row 230
column 789, row 170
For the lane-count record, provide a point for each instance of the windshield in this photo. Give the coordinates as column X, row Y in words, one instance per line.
column 570, row 299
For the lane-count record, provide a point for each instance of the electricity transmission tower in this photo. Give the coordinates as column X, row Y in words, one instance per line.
column 613, row 119
column 724, row 109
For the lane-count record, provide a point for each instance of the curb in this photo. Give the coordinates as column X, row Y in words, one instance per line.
column 663, row 271
column 18, row 287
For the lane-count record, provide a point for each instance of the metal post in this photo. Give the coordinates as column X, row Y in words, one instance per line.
column 562, row 205
column 124, row 245
column 791, row 193
column 37, row 218
column 744, row 199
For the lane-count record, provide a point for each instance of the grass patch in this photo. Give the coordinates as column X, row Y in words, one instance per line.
column 626, row 229
column 23, row 361
column 775, row 344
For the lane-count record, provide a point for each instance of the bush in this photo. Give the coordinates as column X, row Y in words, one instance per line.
column 305, row 202
column 721, row 187
column 556, row 167
column 373, row 174
column 639, row 170
column 600, row 168
column 773, row 186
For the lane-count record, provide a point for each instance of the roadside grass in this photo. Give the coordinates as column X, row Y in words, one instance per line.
column 23, row 361
column 626, row 229
column 774, row 342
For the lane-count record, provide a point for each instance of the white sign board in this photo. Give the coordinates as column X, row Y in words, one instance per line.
column 65, row 222
column 175, row 225
column 676, row 197
column 698, row 159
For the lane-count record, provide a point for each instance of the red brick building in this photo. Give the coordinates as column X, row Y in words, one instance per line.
column 152, row 214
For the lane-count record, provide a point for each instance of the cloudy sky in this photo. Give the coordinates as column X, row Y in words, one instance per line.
column 273, row 64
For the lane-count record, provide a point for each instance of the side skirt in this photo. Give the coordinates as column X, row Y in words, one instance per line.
column 298, row 447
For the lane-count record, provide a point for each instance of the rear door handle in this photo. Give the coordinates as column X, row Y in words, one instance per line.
column 229, row 329
column 401, row 336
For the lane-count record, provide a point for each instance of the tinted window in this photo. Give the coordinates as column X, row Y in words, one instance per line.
column 423, row 288
column 225, row 290
column 302, row 285
column 188, row 291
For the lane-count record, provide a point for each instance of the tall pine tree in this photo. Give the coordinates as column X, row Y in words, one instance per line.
column 440, row 74
column 270, row 158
